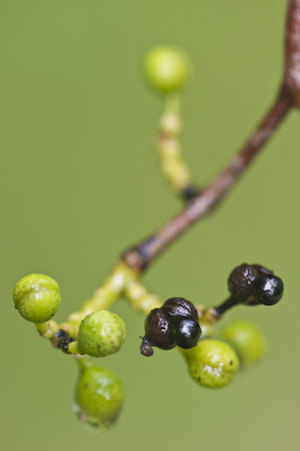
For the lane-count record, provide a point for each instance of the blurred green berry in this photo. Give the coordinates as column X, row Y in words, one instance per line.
column 101, row 334
column 212, row 363
column 167, row 68
column 247, row 340
column 99, row 397
column 37, row 297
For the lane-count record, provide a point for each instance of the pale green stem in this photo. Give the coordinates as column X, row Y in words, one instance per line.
column 139, row 298
column 102, row 298
column 73, row 348
column 47, row 329
column 172, row 163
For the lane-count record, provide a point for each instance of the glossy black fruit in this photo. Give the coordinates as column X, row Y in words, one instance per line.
column 268, row 289
column 240, row 282
column 262, row 270
column 179, row 307
column 185, row 331
column 158, row 330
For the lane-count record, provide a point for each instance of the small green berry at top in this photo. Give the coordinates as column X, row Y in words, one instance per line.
column 212, row 363
column 37, row 297
column 101, row 333
column 247, row 340
column 167, row 68
column 98, row 397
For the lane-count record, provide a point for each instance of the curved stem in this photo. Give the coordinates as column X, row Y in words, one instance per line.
column 139, row 256
column 292, row 50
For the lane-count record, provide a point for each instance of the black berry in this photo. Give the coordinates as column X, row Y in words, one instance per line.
column 158, row 330
column 240, row 282
column 262, row 270
column 179, row 307
column 185, row 331
column 268, row 289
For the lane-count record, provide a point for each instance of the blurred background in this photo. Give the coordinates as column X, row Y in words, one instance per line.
column 80, row 182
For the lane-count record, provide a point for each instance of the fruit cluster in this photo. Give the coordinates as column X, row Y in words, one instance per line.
column 212, row 361
column 93, row 331
column 255, row 284
column 175, row 323
column 250, row 285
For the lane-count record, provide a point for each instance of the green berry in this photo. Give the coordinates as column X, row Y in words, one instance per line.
column 99, row 397
column 101, row 334
column 167, row 68
column 247, row 340
column 37, row 297
column 212, row 363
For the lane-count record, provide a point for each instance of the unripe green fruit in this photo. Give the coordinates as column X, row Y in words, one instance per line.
column 37, row 297
column 167, row 68
column 101, row 334
column 212, row 363
column 247, row 340
column 99, row 397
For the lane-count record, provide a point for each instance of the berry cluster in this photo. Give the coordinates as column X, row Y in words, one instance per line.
column 212, row 361
column 251, row 285
column 255, row 284
column 175, row 323
column 93, row 331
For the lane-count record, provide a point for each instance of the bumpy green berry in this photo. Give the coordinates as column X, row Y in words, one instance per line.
column 247, row 340
column 167, row 68
column 37, row 297
column 101, row 334
column 212, row 363
column 99, row 397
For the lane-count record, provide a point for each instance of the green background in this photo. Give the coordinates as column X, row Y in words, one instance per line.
column 80, row 182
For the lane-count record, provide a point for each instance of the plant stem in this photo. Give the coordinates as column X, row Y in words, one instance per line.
column 139, row 256
column 124, row 277
column 292, row 50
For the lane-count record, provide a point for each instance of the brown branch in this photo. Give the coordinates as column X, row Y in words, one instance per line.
column 139, row 256
column 292, row 50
